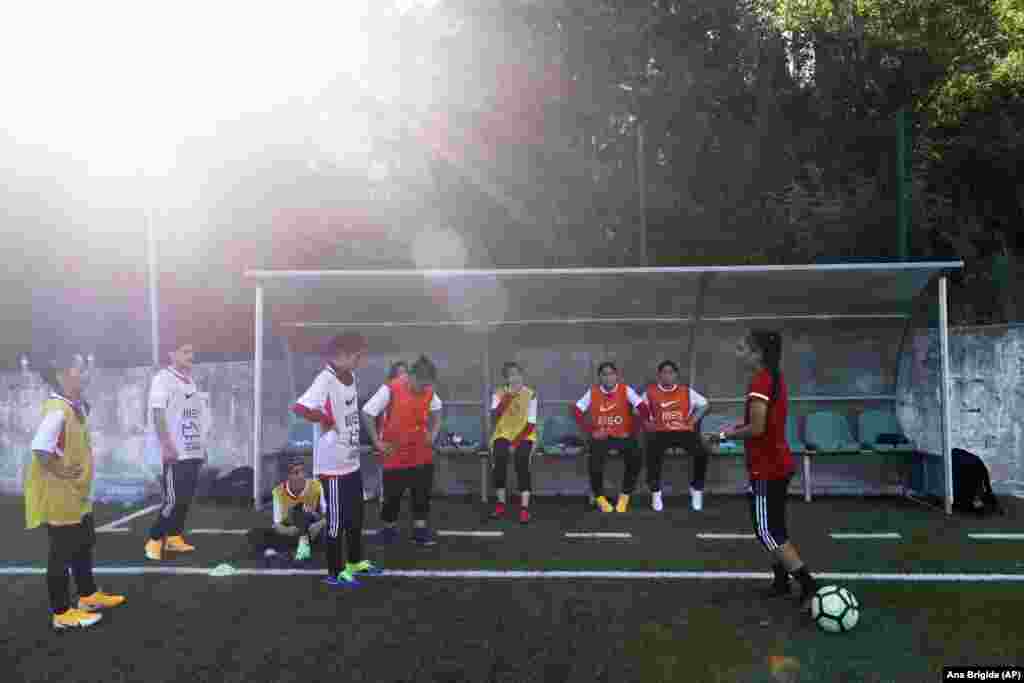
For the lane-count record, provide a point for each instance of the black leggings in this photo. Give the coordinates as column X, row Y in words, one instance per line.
column 179, row 487
column 630, row 455
column 418, row 480
column 70, row 546
column 502, row 448
column 659, row 442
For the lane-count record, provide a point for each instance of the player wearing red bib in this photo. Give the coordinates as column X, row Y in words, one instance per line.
column 606, row 412
column 675, row 411
column 770, row 463
column 406, row 446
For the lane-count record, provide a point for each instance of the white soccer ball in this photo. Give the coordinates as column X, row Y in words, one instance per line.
column 835, row 609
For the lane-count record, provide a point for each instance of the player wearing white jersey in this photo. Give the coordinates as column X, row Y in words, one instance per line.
column 331, row 404
column 179, row 420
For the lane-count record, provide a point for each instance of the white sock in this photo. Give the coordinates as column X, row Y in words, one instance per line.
column 524, row 499
column 420, row 523
column 500, row 493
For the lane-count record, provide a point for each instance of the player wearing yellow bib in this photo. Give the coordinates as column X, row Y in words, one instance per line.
column 299, row 516
column 514, row 409
column 58, row 483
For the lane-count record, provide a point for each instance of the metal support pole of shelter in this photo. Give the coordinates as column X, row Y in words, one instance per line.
column 702, row 290
column 257, row 412
column 947, row 431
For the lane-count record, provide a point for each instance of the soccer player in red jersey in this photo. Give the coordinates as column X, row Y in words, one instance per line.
column 770, row 463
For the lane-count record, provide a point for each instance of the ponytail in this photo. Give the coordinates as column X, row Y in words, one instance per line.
column 770, row 345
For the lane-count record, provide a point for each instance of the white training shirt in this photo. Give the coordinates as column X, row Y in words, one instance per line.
column 382, row 399
column 336, row 452
column 698, row 404
column 186, row 412
column 47, row 437
column 584, row 403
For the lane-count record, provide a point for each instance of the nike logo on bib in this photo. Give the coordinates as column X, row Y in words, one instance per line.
column 669, row 404
column 349, row 402
column 605, row 409
column 188, row 396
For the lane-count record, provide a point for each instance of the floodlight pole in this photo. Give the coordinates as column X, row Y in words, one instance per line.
column 485, row 468
column 154, row 310
column 257, row 413
column 947, row 431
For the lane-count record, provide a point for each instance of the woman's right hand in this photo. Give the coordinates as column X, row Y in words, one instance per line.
column 383, row 448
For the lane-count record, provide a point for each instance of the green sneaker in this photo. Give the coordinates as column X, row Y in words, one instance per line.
column 344, row 578
column 365, row 567
column 303, row 553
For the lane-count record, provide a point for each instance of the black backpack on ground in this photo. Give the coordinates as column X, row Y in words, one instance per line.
column 972, row 488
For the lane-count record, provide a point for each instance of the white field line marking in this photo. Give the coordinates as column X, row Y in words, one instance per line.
column 997, row 537
column 870, row 536
column 477, row 534
column 139, row 513
column 598, row 534
column 710, row 536
column 118, row 530
column 487, row 574
column 219, row 531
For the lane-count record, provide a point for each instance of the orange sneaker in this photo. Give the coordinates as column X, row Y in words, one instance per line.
column 154, row 550
column 74, row 618
column 177, row 544
column 98, row 601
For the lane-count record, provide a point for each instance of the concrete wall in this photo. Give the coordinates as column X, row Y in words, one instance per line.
column 987, row 406
column 820, row 360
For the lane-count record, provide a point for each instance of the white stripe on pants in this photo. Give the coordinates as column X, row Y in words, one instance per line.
column 169, row 498
column 334, row 506
column 761, row 515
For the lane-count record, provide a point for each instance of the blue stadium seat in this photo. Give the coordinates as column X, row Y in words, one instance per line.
column 793, row 435
column 827, row 432
column 873, row 424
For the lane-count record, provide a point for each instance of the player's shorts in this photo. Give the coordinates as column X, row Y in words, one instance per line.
column 768, row 511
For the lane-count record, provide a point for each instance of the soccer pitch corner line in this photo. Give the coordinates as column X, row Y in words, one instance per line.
column 545, row 574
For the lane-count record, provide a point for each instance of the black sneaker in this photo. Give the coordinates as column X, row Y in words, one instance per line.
column 779, row 589
column 807, row 592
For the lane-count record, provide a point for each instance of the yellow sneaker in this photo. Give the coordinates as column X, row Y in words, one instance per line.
column 98, row 601
column 75, row 618
column 623, row 503
column 603, row 503
column 154, row 550
column 177, row 544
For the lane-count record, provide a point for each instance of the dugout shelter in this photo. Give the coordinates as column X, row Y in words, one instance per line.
column 689, row 313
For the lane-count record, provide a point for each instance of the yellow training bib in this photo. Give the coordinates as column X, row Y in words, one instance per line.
column 61, row 502
column 513, row 421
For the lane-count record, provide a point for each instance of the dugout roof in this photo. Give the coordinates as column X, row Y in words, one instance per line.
column 308, row 306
